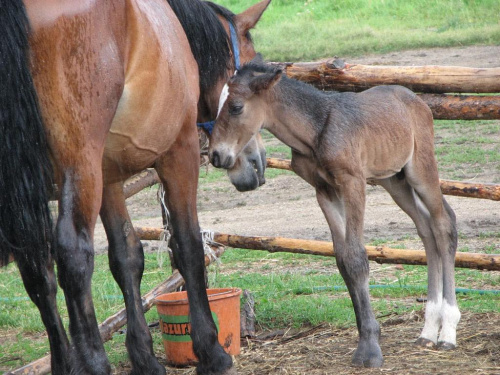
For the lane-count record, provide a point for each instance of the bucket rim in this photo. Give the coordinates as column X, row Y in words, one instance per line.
column 220, row 293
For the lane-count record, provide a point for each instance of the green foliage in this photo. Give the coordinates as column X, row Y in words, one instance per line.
column 298, row 30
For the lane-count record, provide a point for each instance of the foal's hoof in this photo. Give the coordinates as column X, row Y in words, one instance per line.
column 364, row 357
column 230, row 371
column 443, row 345
column 425, row 343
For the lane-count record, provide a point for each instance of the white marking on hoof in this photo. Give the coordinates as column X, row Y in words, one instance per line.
column 432, row 321
column 450, row 316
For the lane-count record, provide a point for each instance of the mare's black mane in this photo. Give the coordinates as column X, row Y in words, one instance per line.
column 210, row 44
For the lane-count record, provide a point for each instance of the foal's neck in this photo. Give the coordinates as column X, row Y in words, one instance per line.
column 297, row 114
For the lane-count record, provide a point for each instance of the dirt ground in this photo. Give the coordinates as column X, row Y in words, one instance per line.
column 286, row 206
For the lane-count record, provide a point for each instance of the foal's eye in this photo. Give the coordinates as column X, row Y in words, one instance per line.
column 235, row 109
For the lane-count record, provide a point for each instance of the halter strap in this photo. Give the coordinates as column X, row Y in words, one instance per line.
column 236, row 47
column 209, row 125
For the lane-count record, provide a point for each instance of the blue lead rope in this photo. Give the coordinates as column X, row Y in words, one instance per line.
column 209, row 125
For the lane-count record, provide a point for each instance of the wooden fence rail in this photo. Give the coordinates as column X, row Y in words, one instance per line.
column 336, row 75
column 379, row 254
column 429, row 81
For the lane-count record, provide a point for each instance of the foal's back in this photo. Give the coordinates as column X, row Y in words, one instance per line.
column 376, row 130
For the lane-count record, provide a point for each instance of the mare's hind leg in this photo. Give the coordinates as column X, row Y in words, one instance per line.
column 343, row 207
column 178, row 170
column 126, row 259
column 79, row 205
column 41, row 285
column 423, row 177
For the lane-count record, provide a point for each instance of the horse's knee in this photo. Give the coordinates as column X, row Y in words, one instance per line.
column 75, row 259
column 131, row 262
column 352, row 262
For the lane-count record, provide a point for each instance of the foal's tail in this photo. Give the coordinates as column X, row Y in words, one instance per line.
column 25, row 167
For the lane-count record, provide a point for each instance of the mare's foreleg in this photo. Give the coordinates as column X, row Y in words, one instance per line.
column 41, row 285
column 344, row 211
column 126, row 259
column 178, row 170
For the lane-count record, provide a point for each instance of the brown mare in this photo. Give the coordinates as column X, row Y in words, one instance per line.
column 339, row 141
column 91, row 92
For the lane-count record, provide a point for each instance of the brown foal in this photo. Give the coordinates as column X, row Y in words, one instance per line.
column 339, row 141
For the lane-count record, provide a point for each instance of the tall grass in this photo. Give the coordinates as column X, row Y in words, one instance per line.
column 295, row 30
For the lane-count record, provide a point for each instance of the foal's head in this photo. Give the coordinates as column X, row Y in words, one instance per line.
column 243, row 113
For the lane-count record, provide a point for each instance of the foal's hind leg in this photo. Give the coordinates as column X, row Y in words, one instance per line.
column 406, row 198
column 126, row 259
column 423, row 177
column 178, row 170
column 41, row 285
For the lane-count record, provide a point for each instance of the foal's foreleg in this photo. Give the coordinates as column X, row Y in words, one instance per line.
column 126, row 260
column 178, row 171
column 344, row 211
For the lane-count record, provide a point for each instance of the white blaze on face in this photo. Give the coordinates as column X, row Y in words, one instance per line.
column 223, row 96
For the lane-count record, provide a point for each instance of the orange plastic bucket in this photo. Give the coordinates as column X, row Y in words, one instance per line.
column 173, row 310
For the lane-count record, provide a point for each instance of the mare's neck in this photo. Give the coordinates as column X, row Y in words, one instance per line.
column 296, row 115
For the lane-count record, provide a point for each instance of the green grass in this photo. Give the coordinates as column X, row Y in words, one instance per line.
column 19, row 316
column 299, row 30
column 290, row 290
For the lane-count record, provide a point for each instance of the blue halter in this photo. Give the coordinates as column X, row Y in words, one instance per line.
column 209, row 125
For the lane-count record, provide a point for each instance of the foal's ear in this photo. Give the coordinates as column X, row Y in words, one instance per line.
column 265, row 81
column 247, row 19
column 258, row 59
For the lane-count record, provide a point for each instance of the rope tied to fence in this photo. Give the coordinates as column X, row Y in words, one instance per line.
column 207, row 237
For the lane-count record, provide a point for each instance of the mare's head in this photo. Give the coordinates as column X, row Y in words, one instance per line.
column 220, row 41
column 243, row 113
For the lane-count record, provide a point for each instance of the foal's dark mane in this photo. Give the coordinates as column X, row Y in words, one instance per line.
column 293, row 93
column 209, row 41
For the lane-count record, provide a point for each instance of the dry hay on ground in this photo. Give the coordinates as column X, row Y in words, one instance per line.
column 327, row 350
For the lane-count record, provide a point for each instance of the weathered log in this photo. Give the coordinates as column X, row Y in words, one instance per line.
column 448, row 187
column 140, row 181
column 115, row 322
column 247, row 315
column 463, row 107
column 379, row 254
column 336, row 75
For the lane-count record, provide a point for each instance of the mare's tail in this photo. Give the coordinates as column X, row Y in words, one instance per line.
column 25, row 168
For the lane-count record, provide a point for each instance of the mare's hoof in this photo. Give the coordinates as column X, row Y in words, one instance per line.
column 153, row 369
column 443, row 345
column 425, row 343
column 368, row 358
